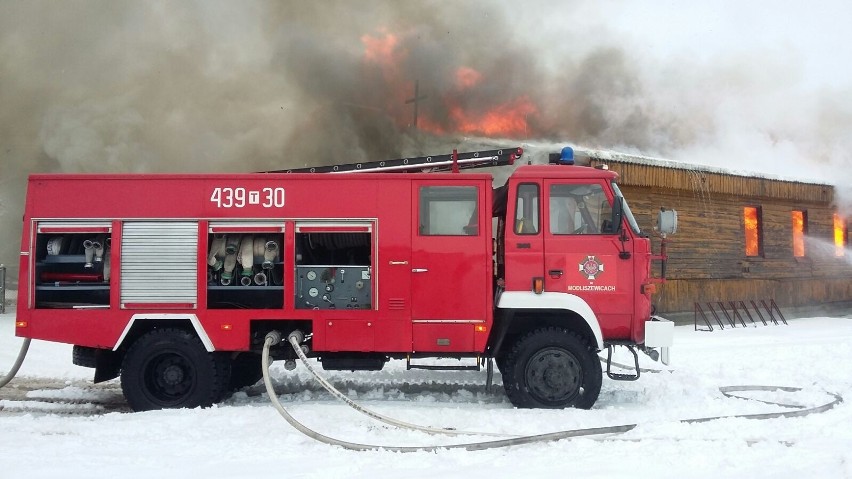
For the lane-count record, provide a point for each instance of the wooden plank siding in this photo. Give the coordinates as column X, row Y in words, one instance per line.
column 707, row 259
column 704, row 184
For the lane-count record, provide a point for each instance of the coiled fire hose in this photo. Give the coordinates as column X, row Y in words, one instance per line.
column 15, row 367
column 296, row 338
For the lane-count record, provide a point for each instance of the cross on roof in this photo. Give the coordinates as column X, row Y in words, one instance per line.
column 416, row 100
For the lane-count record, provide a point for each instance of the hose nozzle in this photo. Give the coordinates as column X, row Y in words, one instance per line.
column 89, row 249
column 269, row 254
column 296, row 336
column 99, row 249
column 274, row 337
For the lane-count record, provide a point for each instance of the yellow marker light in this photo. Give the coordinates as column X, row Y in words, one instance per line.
column 227, row 327
column 480, row 328
column 20, row 324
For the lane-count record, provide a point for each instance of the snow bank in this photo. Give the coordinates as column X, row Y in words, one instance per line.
column 245, row 437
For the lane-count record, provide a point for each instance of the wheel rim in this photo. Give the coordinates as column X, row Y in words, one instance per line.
column 554, row 376
column 169, row 378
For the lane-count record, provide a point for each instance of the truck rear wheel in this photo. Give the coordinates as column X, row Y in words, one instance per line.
column 552, row 368
column 170, row 368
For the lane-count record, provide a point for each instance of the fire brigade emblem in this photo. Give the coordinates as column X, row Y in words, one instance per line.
column 591, row 267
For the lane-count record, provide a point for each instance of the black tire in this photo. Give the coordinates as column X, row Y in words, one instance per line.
column 246, row 370
column 169, row 368
column 552, row 368
column 500, row 362
column 503, row 354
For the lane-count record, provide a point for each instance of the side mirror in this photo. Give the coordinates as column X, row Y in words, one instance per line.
column 667, row 222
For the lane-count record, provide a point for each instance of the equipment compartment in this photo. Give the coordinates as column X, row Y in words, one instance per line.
column 72, row 270
column 333, row 270
column 244, row 270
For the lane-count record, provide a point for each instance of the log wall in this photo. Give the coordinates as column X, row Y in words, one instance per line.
column 707, row 260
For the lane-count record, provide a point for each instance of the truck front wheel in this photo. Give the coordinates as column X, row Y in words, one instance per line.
column 246, row 370
column 169, row 368
column 552, row 368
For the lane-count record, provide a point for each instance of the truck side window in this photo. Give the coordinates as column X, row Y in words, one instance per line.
column 449, row 211
column 578, row 209
column 527, row 209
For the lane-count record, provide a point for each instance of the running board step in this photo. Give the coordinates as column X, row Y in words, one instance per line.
column 433, row 367
column 617, row 376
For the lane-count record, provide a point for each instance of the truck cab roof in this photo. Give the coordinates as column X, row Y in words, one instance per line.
column 563, row 171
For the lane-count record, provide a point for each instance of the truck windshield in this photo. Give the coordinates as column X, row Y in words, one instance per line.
column 626, row 211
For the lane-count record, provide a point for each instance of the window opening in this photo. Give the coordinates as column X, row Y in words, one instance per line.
column 841, row 235
column 752, row 219
column 628, row 214
column 449, row 211
column 527, row 209
column 800, row 229
column 579, row 209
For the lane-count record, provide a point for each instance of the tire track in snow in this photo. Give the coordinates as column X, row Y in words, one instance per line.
column 61, row 396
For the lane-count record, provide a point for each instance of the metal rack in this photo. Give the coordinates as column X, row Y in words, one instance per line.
column 732, row 315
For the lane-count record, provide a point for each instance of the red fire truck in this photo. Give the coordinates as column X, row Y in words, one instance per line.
column 172, row 280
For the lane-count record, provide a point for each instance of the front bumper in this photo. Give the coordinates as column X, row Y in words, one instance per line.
column 659, row 333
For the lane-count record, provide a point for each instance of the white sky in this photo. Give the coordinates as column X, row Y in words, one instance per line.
column 815, row 35
column 816, row 32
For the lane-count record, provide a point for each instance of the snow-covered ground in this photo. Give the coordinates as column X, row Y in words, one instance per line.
column 245, row 436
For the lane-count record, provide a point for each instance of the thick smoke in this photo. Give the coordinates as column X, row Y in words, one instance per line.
column 161, row 86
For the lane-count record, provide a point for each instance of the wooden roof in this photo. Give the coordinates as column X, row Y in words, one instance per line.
column 636, row 171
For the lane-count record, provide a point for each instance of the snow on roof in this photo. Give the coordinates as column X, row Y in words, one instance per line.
column 538, row 153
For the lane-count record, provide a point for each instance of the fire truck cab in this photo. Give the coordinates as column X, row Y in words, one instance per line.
column 172, row 281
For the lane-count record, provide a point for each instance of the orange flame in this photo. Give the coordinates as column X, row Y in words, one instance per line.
column 752, row 232
column 386, row 51
column 839, row 235
column 503, row 120
column 798, row 233
column 381, row 50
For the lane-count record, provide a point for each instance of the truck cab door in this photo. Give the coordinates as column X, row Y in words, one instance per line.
column 585, row 255
column 524, row 245
column 450, row 264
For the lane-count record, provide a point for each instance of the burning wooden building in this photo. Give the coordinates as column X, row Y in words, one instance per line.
column 739, row 237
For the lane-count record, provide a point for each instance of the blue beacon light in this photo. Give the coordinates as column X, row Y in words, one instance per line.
column 567, row 156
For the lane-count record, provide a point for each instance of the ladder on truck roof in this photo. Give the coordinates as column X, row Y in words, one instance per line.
column 451, row 162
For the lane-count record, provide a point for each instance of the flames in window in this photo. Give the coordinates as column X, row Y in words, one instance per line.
column 798, row 233
column 751, row 218
column 839, row 235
